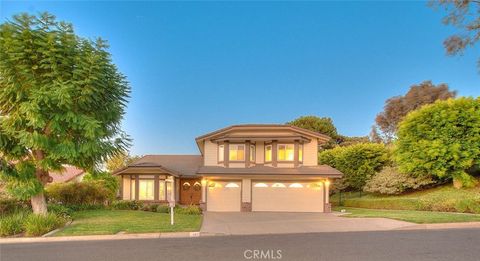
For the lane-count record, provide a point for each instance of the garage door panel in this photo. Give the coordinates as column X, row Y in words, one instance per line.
column 287, row 197
column 224, row 196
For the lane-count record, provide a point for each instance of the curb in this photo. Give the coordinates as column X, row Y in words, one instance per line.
column 439, row 226
column 45, row 239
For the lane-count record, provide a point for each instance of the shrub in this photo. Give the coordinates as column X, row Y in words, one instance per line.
column 110, row 182
column 390, row 181
column 357, row 162
column 12, row 224
column 37, row 225
column 190, row 210
column 9, row 206
column 86, row 193
column 163, row 209
column 61, row 211
column 127, row 205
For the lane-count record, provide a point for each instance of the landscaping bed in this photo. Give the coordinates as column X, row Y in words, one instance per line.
column 103, row 222
column 444, row 198
column 420, row 217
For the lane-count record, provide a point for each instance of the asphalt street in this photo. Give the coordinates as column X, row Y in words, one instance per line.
column 458, row 244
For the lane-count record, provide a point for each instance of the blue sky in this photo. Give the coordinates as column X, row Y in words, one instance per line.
column 195, row 67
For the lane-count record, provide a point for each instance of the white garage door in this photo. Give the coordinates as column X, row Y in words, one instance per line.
column 287, row 196
column 223, row 196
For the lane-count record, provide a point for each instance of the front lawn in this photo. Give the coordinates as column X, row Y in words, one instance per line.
column 420, row 217
column 103, row 222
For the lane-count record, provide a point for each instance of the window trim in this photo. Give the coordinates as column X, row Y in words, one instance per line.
column 286, row 144
column 265, row 153
column 300, row 148
column 252, row 153
column 244, row 151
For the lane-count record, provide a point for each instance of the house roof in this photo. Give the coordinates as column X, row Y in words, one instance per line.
column 321, row 170
column 69, row 173
column 176, row 165
column 223, row 133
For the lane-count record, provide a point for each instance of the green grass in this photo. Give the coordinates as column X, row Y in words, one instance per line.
column 104, row 222
column 420, row 217
column 444, row 198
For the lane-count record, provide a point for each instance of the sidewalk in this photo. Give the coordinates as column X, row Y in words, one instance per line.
column 98, row 237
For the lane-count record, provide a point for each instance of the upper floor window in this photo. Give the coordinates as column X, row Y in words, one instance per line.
column 252, row 153
column 285, row 152
column 236, row 152
column 221, row 153
column 300, row 152
column 268, row 153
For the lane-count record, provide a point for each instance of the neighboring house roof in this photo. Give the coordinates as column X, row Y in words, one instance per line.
column 185, row 165
column 258, row 127
column 321, row 170
column 69, row 173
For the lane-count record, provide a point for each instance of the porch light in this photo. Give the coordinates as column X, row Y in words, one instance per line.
column 204, row 182
column 296, row 185
column 279, row 185
column 261, row 185
column 327, row 182
column 232, row 185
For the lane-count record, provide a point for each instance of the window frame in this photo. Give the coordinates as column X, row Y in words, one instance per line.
column 286, row 145
column 230, row 146
column 252, row 151
column 140, row 181
column 300, row 149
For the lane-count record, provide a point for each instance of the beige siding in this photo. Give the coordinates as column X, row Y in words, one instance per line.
column 246, row 190
column 126, row 188
column 210, row 154
column 285, row 165
column 236, row 165
column 310, row 153
column 260, row 152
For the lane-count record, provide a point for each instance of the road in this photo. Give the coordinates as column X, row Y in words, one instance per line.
column 458, row 244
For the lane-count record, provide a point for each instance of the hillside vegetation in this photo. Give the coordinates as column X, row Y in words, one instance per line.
column 443, row 198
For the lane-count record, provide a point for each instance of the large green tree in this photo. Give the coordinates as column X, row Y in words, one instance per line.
column 323, row 125
column 119, row 161
column 397, row 107
column 61, row 102
column 357, row 162
column 441, row 139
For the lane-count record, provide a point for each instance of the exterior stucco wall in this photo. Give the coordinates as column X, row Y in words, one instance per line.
column 260, row 152
column 310, row 153
column 246, row 190
column 210, row 154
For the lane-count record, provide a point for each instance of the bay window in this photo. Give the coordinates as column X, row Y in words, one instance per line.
column 145, row 189
column 236, row 152
column 252, row 153
column 268, row 153
column 285, row 152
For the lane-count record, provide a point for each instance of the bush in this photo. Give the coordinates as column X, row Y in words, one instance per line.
column 85, row 193
column 37, row 225
column 127, row 205
column 110, row 182
column 190, row 210
column 390, row 181
column 163, row 209
column 10, row 206
column 357, row 162
column 61, row 211
column 12, row 224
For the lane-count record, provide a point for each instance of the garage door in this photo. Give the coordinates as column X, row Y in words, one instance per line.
column 223, row 196
column 287, row 196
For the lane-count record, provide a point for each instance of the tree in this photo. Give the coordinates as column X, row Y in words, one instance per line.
column 323, row 125
column 119, row 161
column 61, row 102
column 441, row 139
column 357, row 162
column 462, row 14
column 399, row 106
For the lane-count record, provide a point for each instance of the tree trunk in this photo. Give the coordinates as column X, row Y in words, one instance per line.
column 39, row 204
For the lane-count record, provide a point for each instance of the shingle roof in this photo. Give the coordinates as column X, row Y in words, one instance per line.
column 69, row 173
column 321, row 170
column 185, row 165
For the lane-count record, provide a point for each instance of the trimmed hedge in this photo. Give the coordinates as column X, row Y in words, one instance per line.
column 83, row 194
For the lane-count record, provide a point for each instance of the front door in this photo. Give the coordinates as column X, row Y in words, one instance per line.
column 190, row 191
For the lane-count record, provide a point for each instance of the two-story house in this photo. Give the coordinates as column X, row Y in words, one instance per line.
column 255, row 167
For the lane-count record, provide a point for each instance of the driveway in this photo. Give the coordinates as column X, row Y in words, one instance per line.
column 252, row 223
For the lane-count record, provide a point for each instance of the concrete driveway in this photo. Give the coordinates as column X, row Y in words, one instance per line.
column 252, row 223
